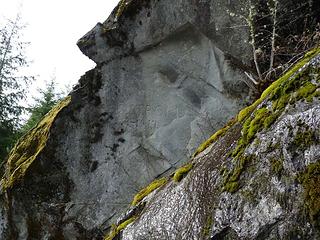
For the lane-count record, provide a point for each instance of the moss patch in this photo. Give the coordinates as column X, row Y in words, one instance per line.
column 130, row 8
column 276, row 166
column 295, row 85
column 121, row 8
column 207, row 228
column 115, row 230
column 281, row 93
column 30, row 146
column 304, row 139
column 249, row 196
column 182, row 172
column 310, row 180
column 214, row 137
column 274, row 87
column 231, row 179
column 149, row 189
column 262, row 118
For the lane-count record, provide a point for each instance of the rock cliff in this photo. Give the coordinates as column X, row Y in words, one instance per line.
column 153, row 97
column 258, row 180
column 168, row 75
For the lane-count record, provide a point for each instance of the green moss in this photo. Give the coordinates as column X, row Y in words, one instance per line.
column 241, row 145
column 316, row 94
column 280, row 92
column 231, row 182
column 208, row 226
column 149, row 189
column 305, row 91
column 262, row 118
column 281, row 102
column 291, row 87
column 223, row 171
column 243, row 114
column 115, row 230
column 231, row 187
column 249, row 196
column 246, row 112
column 268, row 121
column 310, row 180
column 182, row 172
column 121, row 8
column 311, row 97
column 276, row 166
column 303, row 139
column 257, row 123
column 27, row 149
column 214, row 137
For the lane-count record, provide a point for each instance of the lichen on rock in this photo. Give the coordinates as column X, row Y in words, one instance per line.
column 27, row 149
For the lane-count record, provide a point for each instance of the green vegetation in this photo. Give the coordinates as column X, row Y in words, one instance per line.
column 262, row 118
column 49, row 97
column 303, row 139
column 13, row 86
column 214, row 137
column 231, row 179
column 249, row 196
column 115, row 230
column 276, row 166
column 182, row 172
column 207, row 228
column 293, row 86
column 314, row 95
column 310, row 180
column 29, row 147
column 147, row 190
column 305, row 91
column 121, row 8
column 274, row 89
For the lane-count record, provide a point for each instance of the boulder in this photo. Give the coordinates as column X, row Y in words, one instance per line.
column 259, row 179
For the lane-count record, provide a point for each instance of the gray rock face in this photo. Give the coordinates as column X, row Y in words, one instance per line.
column 164, row 82
column 260, row 186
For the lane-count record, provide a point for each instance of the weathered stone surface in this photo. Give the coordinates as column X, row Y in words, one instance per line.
column 168, row 75
column 163, row 83
column 263, row 187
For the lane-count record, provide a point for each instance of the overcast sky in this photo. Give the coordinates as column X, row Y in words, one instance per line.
column 53, row 28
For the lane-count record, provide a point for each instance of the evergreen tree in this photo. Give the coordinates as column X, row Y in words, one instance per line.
column 12, row 85
column 43, row 104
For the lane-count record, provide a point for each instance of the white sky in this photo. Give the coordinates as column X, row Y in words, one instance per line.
column 53, row 28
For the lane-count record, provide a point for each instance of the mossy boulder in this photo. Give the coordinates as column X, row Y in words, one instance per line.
column 27, row 149
column 259, row 178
